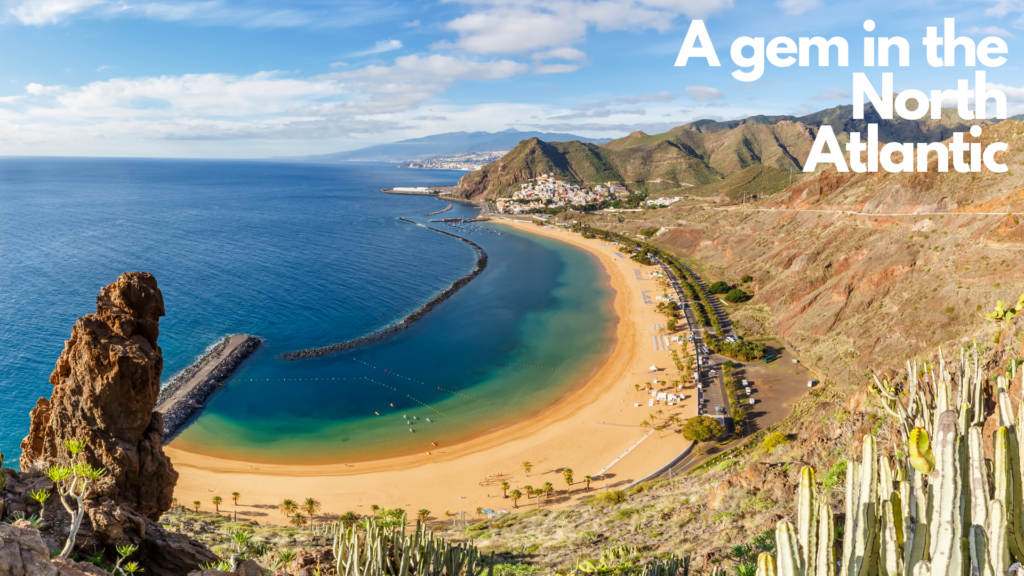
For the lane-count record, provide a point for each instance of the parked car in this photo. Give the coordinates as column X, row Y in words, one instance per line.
column 719, row 410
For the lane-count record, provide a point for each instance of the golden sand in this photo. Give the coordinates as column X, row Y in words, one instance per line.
column 586, row 431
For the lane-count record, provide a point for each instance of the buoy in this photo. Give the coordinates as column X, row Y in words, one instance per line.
column 377, row 413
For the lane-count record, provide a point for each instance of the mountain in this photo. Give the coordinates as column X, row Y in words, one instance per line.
column 438, row 145
column 701, row 153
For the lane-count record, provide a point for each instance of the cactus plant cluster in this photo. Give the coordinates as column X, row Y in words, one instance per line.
column 941, row 509
column 378, row 549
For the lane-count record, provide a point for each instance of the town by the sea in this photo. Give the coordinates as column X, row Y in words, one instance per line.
column 302, row 256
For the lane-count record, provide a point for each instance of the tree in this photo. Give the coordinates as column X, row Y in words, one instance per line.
column 504, row 489
column 527, row 466
column 235, row 496
column 311, row 506
column 40, row 496
column 515, row 495
column 348, row 519
column 701, row 429
column 637, row 386
column 297, row 520
column 547, row 488
column 423, row 514
column 479, row 510
column 216, row 503
column 588, row 479
column 72, row 481
column 671, row 325
column 567, row 474
column 288, row 507
column 737, row 295
column 746, row 278
column 528, row 490
column 196, row 504
column 719, row 288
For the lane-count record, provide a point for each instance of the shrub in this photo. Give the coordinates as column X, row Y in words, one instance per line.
column 719, row 288
column 736, row 295
column 774, row 440
column 746, row 278
column 609, row 498
column 702, row 429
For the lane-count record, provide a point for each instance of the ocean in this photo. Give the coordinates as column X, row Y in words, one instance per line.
column 303, row 256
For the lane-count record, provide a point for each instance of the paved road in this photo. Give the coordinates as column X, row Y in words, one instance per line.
column 857, row 213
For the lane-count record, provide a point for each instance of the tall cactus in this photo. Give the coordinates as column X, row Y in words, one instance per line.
column 377, row 550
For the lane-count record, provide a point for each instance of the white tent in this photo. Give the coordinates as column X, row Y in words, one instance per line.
column 654, row 368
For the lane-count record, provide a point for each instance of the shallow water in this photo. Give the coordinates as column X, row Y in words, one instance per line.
column 302, row 256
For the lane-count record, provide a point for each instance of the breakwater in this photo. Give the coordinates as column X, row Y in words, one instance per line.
column 445, row 209
column 185, row 394
column 481, row 263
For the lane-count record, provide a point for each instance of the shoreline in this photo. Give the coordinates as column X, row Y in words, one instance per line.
column 587, row 429
column 185, row 393
column 392, row 329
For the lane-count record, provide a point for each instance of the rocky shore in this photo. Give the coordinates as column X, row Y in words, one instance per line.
column 185, row 394
column 481, row 263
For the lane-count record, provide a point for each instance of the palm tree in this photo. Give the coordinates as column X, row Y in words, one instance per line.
column 528, row 490
column 567, row 474
column 527, row 466
column 297, row 520
column 348, row 519
column 374, row 508
column 547, row 488
column 504, row 489
column 216, row 503
column 288, row 506
column 637, row 386
column 588, row 479
column 311, row 506
column 174, row 502
column 515, row 495
column 196, row 504
column 479, row 510
column 423, row 514
column 235, row 496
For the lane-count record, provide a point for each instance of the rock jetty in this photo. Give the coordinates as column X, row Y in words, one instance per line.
column 185, row 394
column 481, row 263
column 445, row 209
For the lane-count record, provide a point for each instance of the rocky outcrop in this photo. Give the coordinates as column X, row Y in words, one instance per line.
column 23, row 553
column 105, row 388
column 106, row 384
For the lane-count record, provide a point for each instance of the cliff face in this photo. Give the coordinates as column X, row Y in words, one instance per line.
column 106, row 384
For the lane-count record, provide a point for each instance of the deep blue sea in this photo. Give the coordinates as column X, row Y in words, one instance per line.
column 302, row 256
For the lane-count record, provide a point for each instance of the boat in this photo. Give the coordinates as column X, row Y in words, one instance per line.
column 411, row 430
column 429, row 420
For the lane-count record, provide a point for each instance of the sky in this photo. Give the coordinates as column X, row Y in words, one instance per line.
column 263, row 78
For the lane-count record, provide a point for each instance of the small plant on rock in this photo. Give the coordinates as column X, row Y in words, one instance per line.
column 72, row 483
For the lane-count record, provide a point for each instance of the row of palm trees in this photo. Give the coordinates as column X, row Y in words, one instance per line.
column 545, row 489
column 294, row 510
column 216, row 501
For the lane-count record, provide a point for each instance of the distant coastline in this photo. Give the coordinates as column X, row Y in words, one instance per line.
column 481, row 264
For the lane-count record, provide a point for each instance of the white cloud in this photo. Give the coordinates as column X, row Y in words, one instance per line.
column 40, row 12
column 380, row 47
column 338, row 64
column 203, row 12
column 504, row 27
column 798, row 7
column 40, row 90
column 413, row 24
column 570, row 54
column 1004, row 8
column 554, row 68
column 989, row 31
column 104, row 67
column 704, row 93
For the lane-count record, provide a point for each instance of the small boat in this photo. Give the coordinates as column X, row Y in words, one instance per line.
column 414, row 418
column 411, row 430
column 404, row 416
column 429, row 420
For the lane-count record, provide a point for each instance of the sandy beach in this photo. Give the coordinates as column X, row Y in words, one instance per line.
column 589, row 430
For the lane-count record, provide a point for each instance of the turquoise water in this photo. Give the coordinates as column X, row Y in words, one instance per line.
column 302, row 256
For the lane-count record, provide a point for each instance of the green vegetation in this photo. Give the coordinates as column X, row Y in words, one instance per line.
column 702, row 429
column 743, row 350
column 72, row 480
column 746, row 278
column 719, row 288
column 774, row 440
column 736, row 295
column 649, row 232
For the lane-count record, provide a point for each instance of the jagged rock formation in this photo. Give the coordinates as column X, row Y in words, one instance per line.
column 106, row 384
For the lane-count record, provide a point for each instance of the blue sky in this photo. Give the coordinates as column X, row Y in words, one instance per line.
column 259, row 78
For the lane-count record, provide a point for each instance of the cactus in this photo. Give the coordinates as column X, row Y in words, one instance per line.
column 375, row 549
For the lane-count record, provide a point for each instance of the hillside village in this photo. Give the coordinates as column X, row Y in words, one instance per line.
column 545, row 191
